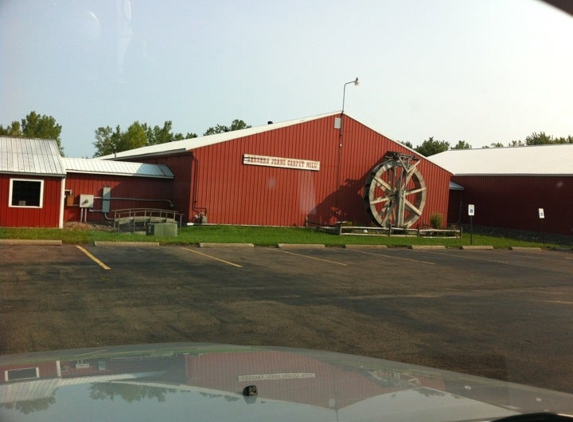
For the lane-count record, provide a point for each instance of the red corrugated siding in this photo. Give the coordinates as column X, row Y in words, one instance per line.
column 121, row 187
column 362, row 149
column 221, row 371
column 513, row 201
column 181, row 192
column 47, row 216
column 235, row 193
column 46, row 369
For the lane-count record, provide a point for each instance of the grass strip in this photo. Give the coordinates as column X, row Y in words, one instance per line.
column 259, row 236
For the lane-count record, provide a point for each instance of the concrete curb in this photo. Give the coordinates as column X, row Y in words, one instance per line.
column 300, row 246
column 525, row 248
column 232, row 245
column 30, row 242
column 366, row 246
column 132, row 244
column 477, row 248
column 426, row 247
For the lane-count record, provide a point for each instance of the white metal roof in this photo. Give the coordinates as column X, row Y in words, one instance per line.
column 194, row 143
column 119, row 168
column 44, row 388
column 528, row 160
column 30, row 156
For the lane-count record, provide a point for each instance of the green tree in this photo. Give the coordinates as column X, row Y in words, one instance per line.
column 161, row 135
column 134, row 137
column 107, row 141
column 235, row 125
column 496, row 145
column 431, row 146
column 563, row 140
column 35, row 125
column 14, row 129
column 516, row 144
column 407, row 144
column 462, row 145
column 128, row 392
column 539, row 139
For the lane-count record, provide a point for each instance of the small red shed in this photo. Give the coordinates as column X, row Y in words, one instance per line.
column 31, row 183
column 283, row 174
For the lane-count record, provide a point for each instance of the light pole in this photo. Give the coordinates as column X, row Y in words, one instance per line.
column 338, row 172
column 355, row 82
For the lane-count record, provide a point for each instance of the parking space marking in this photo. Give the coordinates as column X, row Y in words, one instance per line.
column 397, row 257
column 468, row 257
column 313, row 258
column 97, row 261
column 213, row 257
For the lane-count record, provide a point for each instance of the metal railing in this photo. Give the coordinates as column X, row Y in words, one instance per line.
column 142, row 217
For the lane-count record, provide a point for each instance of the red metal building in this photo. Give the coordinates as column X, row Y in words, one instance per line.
column 284, row 174
column 509, row 186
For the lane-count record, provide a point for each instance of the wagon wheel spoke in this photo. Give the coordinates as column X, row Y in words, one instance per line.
column 387, row 211
column 380, row 199
column 382, row 184
column 413, row 191
column 412, row 207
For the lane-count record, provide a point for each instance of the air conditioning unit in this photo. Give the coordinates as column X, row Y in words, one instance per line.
column 162, row 229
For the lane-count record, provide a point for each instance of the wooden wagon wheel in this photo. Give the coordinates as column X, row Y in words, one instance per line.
column 395, row 192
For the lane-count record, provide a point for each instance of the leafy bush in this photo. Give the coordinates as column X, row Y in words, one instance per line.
column 436, row 220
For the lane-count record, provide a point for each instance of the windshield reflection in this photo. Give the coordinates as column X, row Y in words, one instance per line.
column 329, row 385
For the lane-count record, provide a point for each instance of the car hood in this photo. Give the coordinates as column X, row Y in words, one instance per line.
column 196, row 381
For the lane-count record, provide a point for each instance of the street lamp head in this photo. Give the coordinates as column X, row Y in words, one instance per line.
column 355, row 82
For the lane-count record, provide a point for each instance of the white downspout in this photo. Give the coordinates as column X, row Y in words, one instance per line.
column 62, row 202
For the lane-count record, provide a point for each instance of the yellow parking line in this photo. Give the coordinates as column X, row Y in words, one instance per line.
column 212, row 257
column 316, row 259
column 473, row 258
column 97, row 261
column 397, row 257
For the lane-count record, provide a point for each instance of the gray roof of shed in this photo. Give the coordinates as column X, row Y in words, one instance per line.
column 30, row 157
column 540, row 160
column 118, row 168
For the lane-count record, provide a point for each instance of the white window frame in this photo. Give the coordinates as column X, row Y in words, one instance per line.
column 7, row 374
column 41, row 181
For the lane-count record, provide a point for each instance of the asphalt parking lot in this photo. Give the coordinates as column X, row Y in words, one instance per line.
column 502, row 314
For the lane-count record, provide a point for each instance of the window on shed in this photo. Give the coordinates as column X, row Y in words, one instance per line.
column 26, row 193
column 21, row 374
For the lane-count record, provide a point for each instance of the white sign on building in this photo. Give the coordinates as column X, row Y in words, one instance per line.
column 282, row 162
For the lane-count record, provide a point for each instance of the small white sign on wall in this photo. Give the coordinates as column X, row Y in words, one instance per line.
column 541, row 213
column 471, row 210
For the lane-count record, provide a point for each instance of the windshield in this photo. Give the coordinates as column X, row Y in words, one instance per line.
column 390, row 180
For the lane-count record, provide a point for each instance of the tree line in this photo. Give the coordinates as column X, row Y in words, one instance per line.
column 110, row 140
column 433, row 146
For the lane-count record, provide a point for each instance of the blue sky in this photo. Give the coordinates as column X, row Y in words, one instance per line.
column 477, row 70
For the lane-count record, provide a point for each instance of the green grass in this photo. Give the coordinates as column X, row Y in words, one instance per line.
column 260, row 236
